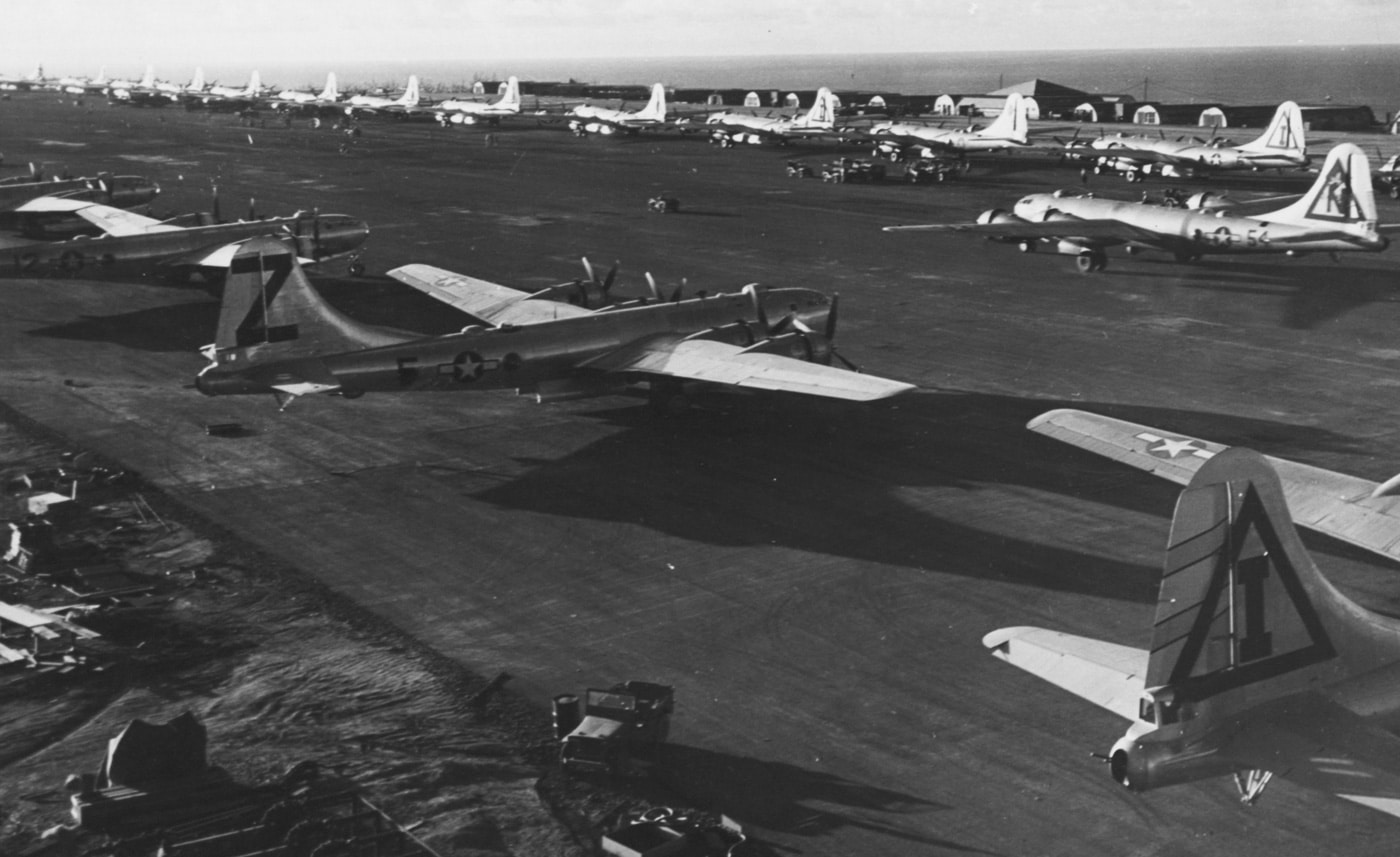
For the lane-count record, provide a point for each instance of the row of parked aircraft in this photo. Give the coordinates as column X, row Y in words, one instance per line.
column 1257, row 666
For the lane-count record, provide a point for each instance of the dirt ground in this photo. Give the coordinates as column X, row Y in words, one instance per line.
column 279, row 671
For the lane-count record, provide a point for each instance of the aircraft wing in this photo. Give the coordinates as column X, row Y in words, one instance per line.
column 487, row 301
column 1101, row 228
column 1355, row 510
column 673, row 356
column 113, row 221
column 1318, row 744
column 1107, row 674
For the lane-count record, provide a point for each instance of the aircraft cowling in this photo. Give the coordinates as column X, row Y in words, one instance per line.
column 1142, row 765
column 997, row 215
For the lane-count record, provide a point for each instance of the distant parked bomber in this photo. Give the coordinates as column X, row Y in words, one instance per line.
column 729, row 128
column 587, row 119
column 1338, row 214
column 108, row 240
column 1010, row 130
column 458, row 112
column 1281, row 146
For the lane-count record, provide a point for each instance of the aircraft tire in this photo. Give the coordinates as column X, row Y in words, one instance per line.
column 1394, row 191
column 1026, row 246
column 357, row 269
column 1133, row 176
column 1091, row 261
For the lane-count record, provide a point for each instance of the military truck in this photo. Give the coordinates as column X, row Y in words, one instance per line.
column 622, row 729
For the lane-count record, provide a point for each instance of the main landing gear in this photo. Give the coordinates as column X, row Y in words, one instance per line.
column 1091, row 261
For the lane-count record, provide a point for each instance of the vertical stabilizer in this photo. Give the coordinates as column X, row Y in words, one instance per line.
column 148, row 81
column 1342, row 194
column 254, row 84
column 197, row 82
column 656, row 107
column 510, row 100
column 1285, row 133
column 1244, row 615
column 410, row 94
column 1012, row 123
column 271, row 311
column 330, row 93
column 823, row 112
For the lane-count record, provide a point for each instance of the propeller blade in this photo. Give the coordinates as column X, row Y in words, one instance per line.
column 676, row 295
column 611, row 275
column 316, row 231
column 588, row 269
column 849, row 365
column 759, row 312
column 252, row 208
column 655, row 289
column 831, row 318
column 215, row 208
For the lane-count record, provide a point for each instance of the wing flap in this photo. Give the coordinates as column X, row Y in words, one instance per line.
column 1107, row 674
column 721, row 363
column 485, row 300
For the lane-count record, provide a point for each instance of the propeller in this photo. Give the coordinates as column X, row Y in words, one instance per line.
column 214, row 192
column 316, row 233
column 758, row 310
column 252, row 208
column 830, row 333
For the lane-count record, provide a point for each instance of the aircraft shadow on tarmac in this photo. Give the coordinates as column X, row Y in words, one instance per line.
column 864, row 482
column 179, row 327
column 187, row 327
column 1319, row 293
column 787, row 798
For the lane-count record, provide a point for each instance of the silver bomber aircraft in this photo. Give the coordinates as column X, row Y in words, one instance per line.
column 587, row 119
column 1337, row 214
column 111, row 241
column 277, row 335
column 1009, row 130
column 1281, row 146
column 458, row 112
column 728, row 128
column 1258, row 666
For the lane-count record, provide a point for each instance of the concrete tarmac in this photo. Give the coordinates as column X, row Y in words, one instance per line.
column 813, row 577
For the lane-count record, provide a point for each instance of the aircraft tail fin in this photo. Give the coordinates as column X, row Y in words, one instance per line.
column 254, row 84
column 510, row 100
column 1243, row 614
column 656, row 107
column 1341, row 196
column 823, row 112
column 330, row 93
column 1284, row 134
column 101, row 75
column 149, row 79
column 271, row 311
column 410, row 94
column 1012, row 124
column 197, row 82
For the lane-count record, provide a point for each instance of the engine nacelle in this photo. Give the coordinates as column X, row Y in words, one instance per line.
column 997, row 215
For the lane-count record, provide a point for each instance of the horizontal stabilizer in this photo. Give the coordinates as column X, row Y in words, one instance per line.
column 1107, row 674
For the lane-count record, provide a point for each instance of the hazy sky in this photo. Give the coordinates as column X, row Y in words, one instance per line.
column 78, row 36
